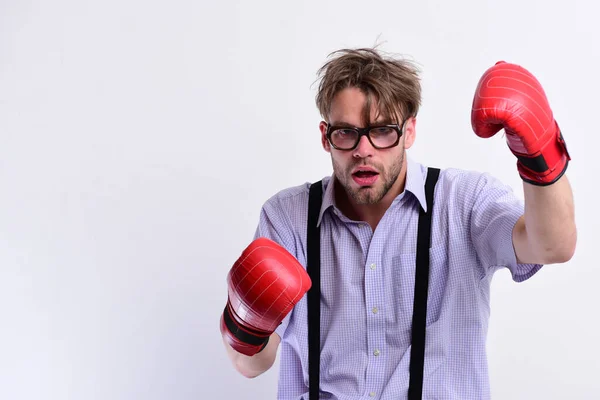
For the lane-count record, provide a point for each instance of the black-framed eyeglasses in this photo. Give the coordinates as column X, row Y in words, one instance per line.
column 380, row 136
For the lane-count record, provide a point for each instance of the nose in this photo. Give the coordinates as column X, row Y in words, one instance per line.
column 364, row 148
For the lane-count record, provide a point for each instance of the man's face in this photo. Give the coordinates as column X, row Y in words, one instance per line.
column 367, row 174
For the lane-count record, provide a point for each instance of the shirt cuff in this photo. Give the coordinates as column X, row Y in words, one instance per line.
column 507, row 256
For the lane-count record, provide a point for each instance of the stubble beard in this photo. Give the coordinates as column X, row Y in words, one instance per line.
column 372, row 194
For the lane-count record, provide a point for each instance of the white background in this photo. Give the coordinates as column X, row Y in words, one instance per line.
column 138, row 140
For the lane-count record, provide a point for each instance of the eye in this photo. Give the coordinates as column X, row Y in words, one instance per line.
column 383, row 131
column 344, row 132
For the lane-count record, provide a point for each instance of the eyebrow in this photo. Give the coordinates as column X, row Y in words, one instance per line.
column 341, row 124
column 385, row 121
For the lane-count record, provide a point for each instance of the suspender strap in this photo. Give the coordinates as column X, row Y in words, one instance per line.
column 313, row 268
column 417, row 355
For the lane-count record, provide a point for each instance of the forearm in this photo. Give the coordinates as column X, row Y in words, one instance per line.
column 550, row 221
column 253, row 366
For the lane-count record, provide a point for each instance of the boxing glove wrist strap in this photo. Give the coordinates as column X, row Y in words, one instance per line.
column 548, row 165
column 244, row 334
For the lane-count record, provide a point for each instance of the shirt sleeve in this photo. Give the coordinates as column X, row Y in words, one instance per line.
column 494, row 213
column 274, row 224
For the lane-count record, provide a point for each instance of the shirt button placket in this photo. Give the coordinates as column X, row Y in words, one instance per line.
column 376, row 332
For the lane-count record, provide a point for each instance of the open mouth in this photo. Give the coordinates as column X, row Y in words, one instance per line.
column 365, row 174
column 365, row 178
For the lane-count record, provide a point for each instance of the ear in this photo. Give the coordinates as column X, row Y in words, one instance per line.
column 324, row 141
column 410, row 132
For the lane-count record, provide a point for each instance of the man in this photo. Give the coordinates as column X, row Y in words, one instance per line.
column 368, row 227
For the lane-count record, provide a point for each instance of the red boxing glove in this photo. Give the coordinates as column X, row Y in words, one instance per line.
column 265, row 283
column 510, row 97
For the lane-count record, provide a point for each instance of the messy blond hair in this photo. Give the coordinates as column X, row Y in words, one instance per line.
column 392, row 83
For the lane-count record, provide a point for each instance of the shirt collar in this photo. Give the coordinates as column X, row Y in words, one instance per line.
column 415, row 181
column 415, row 184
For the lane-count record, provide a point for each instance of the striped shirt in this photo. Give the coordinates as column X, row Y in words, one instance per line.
column 367, row 280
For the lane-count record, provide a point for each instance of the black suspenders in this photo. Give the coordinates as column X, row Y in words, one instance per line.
column 313, row 267
column 417, row 354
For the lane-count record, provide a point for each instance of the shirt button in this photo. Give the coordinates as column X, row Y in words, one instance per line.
column 372, row 394
column 373, row 266
column 376, row 353
column 375, row 310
